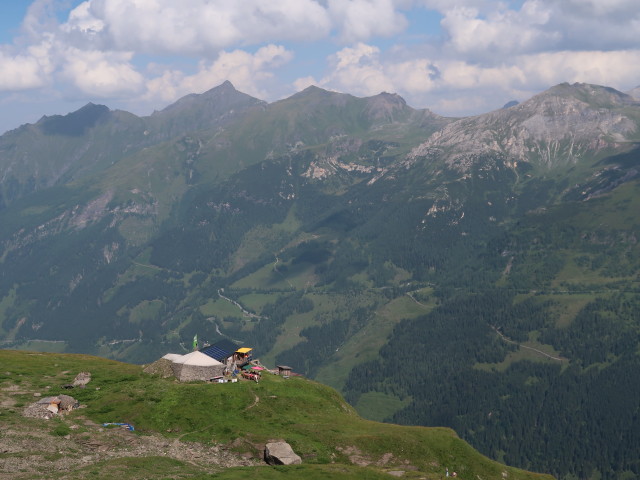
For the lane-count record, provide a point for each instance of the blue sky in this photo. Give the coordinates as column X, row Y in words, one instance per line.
column 455, row 57
column 12, row 14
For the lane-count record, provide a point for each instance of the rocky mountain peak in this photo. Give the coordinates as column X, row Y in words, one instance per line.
column 386, row 106
column 562, row 124
column 315, row 96
column 583, row 95
column 311, row 90
column 226, row 85
column 209, row 110
column 224, row 94
column 74, row 123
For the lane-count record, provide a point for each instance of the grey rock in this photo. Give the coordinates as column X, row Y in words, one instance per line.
column 280, row 453
column 82, row 379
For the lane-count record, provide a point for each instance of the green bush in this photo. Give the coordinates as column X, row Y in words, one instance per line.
column 61, row 430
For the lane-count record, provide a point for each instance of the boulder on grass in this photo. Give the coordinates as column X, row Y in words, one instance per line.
column 82, row 379
column 280, row 453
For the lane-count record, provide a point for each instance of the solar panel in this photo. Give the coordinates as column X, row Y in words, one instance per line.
column 220, row 350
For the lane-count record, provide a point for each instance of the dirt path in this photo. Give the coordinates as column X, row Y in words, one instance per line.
column 508, row 340
column 255, row 402
column 410, row 295
column 153, row 267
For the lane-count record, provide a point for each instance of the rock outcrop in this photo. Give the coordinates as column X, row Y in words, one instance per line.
column 280, row 453
column 82, row 379
column 49, row 407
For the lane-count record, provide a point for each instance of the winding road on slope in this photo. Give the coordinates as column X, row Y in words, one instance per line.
column 508, row 340
column 245, row 312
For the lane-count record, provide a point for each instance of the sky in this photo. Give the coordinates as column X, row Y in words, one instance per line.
column 455, row 57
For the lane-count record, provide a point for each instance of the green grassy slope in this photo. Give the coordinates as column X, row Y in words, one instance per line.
column 332, row 439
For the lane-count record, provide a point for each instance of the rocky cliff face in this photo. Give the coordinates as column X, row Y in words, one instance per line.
column 560, row 125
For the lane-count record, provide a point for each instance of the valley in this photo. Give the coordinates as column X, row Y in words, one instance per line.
column 479, row 274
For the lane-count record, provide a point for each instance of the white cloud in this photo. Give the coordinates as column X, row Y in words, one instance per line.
column 26, row 70
column 101, row 74
column 198, row 27
column 614, row 68
column 20, row 72
column 362, row 19
column 204, row 27
column 248, row 72
column 444, row 5
column 81, row 20
column 304, row 82
column 358, row 70
column 616, row 8
column 40, row 17
column 483, row 34
column 501, row 33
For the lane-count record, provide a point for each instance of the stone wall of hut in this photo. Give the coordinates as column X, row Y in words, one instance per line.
column 188, row 373
column 177, row 368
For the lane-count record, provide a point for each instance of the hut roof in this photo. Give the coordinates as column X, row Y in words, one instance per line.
column 172, row 356
column 197, row 358
column 220, row 350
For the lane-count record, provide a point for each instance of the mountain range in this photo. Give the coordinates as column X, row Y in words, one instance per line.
column 479, row 273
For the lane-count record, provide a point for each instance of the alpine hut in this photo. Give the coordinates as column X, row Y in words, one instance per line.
column 196, row 366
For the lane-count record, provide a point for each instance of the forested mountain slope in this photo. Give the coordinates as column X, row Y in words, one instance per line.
column 62, row 148
column 479, row 273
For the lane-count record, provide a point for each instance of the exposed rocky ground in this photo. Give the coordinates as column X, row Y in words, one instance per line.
column 37, row 453
column 62, row 446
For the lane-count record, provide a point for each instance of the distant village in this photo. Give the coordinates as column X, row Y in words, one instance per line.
column 221, row 362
